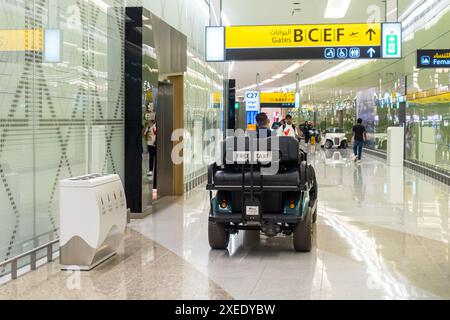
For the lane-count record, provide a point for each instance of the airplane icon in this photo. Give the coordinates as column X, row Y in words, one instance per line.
column 354, row 34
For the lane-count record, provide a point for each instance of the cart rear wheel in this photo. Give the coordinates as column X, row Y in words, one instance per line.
column 302, row 235
column 218, row 235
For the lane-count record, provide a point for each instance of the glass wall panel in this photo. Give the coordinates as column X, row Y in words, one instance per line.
column 57, row 119
column 17, row 133
column 65, row 118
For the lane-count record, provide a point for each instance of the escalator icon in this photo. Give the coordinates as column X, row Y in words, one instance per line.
column 329, row 53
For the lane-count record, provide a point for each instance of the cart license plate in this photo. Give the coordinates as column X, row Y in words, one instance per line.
column 252, row 210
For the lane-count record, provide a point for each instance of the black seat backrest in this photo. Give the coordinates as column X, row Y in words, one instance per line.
column 287, row 148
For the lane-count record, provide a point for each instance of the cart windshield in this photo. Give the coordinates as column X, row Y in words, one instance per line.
column 336, row 130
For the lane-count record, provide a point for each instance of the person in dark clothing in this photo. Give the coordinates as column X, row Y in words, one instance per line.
column 262, row 125
column 358, row 137
column 305, row 129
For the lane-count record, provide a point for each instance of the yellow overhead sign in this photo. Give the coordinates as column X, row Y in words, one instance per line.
column 277, row 97
column 435, row 99
column 21, row 40
column 314, row 35
column 217, row 97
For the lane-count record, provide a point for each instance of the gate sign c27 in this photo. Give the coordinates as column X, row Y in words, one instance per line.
column 439, row 58
column 252, row 102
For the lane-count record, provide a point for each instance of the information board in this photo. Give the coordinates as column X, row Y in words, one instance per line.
column 439, row 58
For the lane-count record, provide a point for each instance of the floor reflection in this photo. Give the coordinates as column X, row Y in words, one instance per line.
column 366, row 246
column 382, row 233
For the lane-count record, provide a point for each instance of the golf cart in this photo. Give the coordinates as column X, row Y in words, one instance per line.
column 262, row 184
column 334, row 138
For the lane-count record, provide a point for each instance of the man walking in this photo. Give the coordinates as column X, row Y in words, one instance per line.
column 358, row 138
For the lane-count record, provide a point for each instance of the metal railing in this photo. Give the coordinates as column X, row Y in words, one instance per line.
column 33, row 258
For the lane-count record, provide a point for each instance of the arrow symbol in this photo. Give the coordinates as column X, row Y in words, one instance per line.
column 371, row 52
column 371, row 33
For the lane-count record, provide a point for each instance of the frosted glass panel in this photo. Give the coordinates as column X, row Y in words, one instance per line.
column 57, row 119
column 16, row 138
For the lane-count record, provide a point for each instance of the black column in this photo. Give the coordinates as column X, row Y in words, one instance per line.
column 230, row 105
column 133, row 108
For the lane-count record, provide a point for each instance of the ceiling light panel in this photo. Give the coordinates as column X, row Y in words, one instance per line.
column 268, row 81
column 278, row 76
column 292, row 68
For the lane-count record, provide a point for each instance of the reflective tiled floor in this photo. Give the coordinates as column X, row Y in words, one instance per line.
column 142, row 269
column 382, row 233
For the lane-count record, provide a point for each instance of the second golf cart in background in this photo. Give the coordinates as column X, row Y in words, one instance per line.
column 334, row 138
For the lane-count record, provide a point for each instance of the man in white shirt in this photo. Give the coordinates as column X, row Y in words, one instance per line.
column 289, row 129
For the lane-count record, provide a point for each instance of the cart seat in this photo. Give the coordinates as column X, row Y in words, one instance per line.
column 285, row 151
